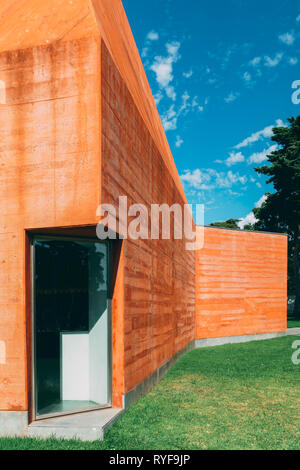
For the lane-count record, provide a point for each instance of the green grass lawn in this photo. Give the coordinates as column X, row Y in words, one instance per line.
column 293, row 323
column 240, row 396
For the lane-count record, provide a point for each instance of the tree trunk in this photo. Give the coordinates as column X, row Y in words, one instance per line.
column 297, row 276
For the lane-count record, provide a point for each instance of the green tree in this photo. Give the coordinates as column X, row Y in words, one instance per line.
column 230, row 223
column 249, row 227
column 281, row 210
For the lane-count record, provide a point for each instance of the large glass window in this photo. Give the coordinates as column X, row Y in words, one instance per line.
column 71, row 326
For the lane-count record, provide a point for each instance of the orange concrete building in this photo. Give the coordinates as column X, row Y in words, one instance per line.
column 87, row 325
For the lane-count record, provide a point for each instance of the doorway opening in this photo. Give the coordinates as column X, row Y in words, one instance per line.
column 71, row 325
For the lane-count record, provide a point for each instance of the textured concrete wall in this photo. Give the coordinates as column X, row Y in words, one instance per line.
column 116, row 33
column 241, row 284
column 159, row 302
column 49, row 173
column 30, row 23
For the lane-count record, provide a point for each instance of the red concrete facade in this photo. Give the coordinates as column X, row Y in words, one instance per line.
column 241, row 286
column 50, row 173
column 159, row 280
column 79, row 126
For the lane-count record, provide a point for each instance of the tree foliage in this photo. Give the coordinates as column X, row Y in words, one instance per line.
column 281, row 210
column 230, row 223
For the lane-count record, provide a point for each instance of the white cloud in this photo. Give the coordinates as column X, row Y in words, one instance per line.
column 231, row 97
column 188, row 74
column 262, row 156
column 250, row 219
column 179, row 141
column 234, row 193
column 287, row 38
column 201, row 108
column 293, row 61
column 269, row 62
column 185, row 102
column 195, row 102
column 234, row 178
column 169, row 119
column 211, row 81
column 152, row 36
column 172, row 48
column 145, row 51
column 298, row 19
column 163, row 66
column 264, row 133
column 158, row 97
column 208, row 179
column 261, row 201
column 169, row 124
column 163, row 69
column 255, row 62
column 247, row 77
column 170, row 92
column 234, row 158
column 198, row 179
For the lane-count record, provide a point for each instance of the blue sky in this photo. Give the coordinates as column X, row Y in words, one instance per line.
column 221, row 73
